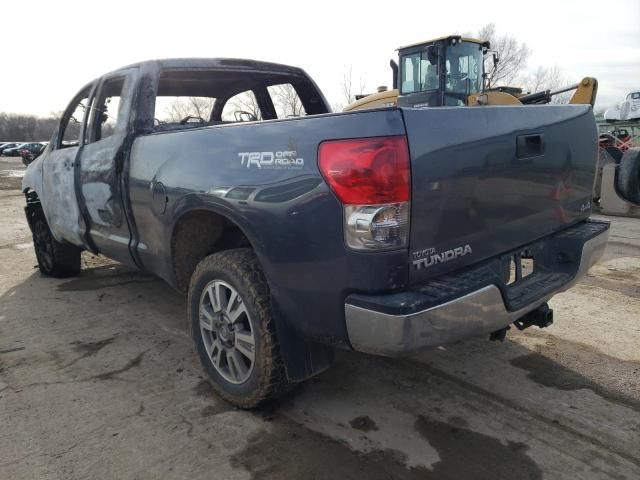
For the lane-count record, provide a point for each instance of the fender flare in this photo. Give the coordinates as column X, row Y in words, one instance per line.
column 193, row 202
column 302, row 358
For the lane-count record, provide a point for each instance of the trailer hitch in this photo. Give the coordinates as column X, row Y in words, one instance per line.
column 541, row 317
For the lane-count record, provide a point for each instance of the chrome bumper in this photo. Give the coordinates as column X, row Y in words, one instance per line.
column 475, row 314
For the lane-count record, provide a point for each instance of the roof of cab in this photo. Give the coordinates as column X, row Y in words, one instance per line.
column 227, row 63
column 433, row 40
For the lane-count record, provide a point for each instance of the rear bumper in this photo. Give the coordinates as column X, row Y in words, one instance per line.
column 395, row 324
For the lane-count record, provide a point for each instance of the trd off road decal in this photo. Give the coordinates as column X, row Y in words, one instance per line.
column 273, row 160
column 429, row 257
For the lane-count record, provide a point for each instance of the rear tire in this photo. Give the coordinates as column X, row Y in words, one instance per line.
column 55, row 259
column 233, row 330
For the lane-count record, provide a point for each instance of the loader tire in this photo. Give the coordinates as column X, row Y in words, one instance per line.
column 628, row 176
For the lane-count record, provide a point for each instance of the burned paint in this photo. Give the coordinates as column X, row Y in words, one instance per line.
column 58, row 195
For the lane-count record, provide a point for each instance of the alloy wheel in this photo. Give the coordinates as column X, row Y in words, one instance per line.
column 227, row 331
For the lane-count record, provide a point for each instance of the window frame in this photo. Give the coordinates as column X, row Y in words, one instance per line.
column 312, row 99
column 66, row 117
column 423, row 57
column 479, row 65
column 276, row 106
column 92, row 125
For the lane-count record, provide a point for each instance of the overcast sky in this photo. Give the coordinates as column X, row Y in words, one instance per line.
column 50, row 49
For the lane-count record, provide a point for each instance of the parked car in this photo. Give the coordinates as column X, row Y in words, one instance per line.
column 627, row 110
column 33, row 148
column 386, row 231
column 7, row 146
column 28, row 156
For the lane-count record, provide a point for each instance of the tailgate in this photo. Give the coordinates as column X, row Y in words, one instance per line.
column 486, row 180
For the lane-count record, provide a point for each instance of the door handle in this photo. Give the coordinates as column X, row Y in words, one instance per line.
column 529, row 145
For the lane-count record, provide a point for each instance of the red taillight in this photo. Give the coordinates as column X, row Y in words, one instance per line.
column 367, row 171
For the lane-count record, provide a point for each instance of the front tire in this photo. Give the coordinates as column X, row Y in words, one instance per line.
column 233, row 329
column 55, row 259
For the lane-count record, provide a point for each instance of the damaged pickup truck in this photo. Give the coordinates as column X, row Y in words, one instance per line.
column 295, row 231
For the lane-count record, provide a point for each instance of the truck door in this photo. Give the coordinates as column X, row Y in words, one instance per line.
column 58, row 195
column 102, row 161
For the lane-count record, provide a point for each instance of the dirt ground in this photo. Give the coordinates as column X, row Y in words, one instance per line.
column 98, row 380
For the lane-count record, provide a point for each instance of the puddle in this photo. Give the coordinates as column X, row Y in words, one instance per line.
column 612, row 379
column 269, row 455
column 468, row 454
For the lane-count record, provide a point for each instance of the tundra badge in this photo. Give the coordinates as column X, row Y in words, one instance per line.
column 428, row 257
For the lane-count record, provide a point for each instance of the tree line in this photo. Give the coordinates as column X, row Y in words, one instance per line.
column 15, row 127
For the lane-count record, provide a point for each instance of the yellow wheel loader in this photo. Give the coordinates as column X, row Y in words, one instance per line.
column 450, row 71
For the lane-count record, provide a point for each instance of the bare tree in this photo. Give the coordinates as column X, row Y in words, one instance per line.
column 286, row 101
column 243, row 102
column 513, row 56
column 550, row 78
column 183, row 107
column 30, row 128
column 545, row 79
column 349, row 88
column 27, row 128
column 45, row 126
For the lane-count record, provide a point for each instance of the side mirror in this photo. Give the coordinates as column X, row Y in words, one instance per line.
column 496, row 59
column 628, row 176
column 433, row 53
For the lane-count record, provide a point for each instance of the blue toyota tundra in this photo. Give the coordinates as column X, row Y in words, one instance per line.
column 295, row 231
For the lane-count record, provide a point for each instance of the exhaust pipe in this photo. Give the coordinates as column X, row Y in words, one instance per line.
column 394, row 68
column 541, row 317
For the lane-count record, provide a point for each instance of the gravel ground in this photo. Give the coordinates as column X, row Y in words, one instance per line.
column 98, row 379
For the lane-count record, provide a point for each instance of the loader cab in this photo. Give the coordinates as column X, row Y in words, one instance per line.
column 442, row 72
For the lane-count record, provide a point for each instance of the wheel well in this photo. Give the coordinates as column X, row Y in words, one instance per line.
column 198, row 234
column 31, row 197
column 34, row 207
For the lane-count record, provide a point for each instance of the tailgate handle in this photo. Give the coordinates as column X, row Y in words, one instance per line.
column 529, row 145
